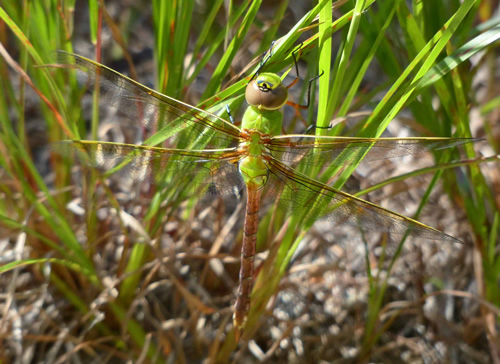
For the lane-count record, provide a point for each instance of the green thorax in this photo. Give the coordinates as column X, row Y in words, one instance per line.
column 264, row 121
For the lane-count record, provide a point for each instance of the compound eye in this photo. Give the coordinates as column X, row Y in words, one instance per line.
column 266, row 92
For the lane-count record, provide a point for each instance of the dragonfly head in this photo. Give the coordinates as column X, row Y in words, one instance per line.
column 266, row 92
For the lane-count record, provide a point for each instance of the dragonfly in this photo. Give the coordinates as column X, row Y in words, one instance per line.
column 208, row 154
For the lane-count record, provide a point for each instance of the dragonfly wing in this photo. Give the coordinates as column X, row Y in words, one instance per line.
column 151, row 108
column 209, row 171
column 324, row 150
column 310, row 199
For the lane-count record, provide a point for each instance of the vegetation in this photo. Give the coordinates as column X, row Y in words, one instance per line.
column 101, row 268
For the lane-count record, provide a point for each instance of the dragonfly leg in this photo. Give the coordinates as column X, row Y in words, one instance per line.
column 266, row 56
column 294, row 55
column 298, row 107
column 229, row 114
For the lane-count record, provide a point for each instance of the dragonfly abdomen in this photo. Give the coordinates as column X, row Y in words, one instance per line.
column 248, row 248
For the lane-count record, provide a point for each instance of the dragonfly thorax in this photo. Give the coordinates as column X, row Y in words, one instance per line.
column 266, row 92
column 264, row 122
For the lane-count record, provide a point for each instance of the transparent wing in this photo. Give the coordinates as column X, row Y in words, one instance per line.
column 210, row 171
column 151, row 108
column 309, row 199
column 316, row 150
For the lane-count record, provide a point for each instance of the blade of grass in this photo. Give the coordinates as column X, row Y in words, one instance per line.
column 334, row 96
column 215, row 82
column 324, row 64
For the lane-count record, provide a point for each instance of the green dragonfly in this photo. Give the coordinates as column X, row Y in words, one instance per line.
column 212, row 155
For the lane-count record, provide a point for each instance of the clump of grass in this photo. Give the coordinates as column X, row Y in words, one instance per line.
column 97, row 270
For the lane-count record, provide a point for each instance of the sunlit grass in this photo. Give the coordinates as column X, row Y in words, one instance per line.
column 77, row 244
